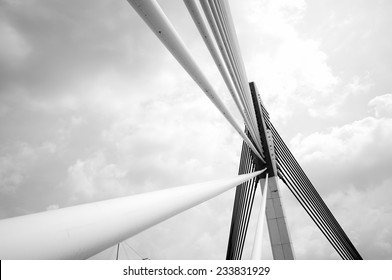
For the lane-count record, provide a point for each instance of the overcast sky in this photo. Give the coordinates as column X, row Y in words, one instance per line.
column 92, row 106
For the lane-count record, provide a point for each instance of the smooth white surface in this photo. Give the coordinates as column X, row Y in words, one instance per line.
column 222, row 40
column 257, row 244
column 152, row 14
column 230, row 82
column 80, row 232
column 224, row 8
column 219, row 27
column 208, row 40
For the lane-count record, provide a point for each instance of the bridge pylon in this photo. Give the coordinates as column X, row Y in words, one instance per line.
column 243, row 203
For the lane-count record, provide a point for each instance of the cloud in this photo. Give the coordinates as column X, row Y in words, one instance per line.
column 291, row 70
column 330, row 105
column 25, row 171
column 14, row 48
column 95, row 179
column 294, row 67
column 369, row 228
column 12, row 166
column 52, row 207
column 10, row 176
column 382, row 105
column 350, row 167
column 348, row 153
column 83, row 91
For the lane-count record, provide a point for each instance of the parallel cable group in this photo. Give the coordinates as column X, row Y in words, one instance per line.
column 243, row 204
column 299, row 184
column 226, row 54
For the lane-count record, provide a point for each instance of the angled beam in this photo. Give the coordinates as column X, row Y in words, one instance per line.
column 216, row 21
column 196, row 15
column 223, row 8
column 82, row 231
column 155, row 18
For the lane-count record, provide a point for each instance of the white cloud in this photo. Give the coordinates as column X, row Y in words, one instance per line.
column 358, row 85
column 369, row 226
column 294, row 69
column 95, row 179
column 382, row 105
column 329, row 106
column 358, row 153
column 339, row 144
column 350, row 166
column 52, row 207
column 13, row 163
column 16, row 162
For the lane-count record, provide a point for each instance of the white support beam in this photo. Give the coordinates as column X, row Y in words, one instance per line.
column 258, row 242
column 223, row 9
column 196, row 15
column 152, row 14
column 82, row 231
column 218, row 29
